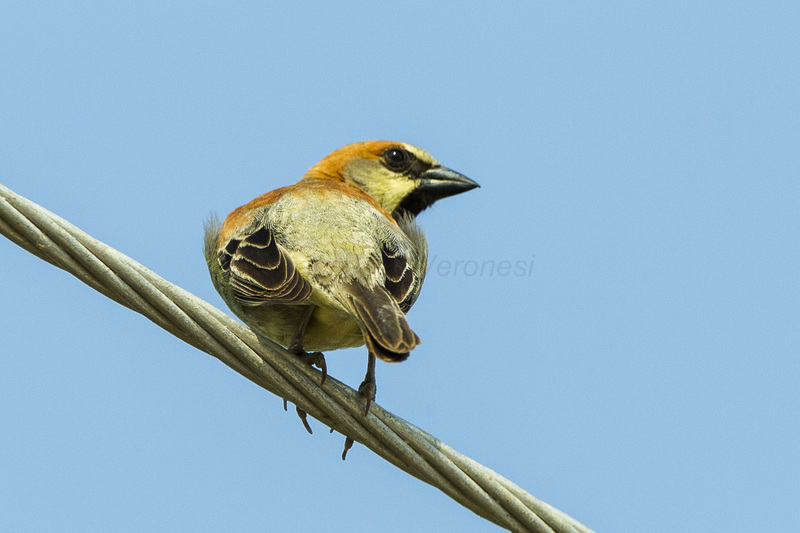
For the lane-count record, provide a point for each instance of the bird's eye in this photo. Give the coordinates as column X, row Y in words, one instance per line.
column 398, row 159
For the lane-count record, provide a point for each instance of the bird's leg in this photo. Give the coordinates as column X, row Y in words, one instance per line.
column 313, row 359
column 368, row 388
column 296, row 345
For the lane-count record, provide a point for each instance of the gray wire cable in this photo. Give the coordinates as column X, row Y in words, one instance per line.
column 205, row 327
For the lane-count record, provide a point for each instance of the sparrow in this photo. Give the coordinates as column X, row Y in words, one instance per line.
column 337, row 259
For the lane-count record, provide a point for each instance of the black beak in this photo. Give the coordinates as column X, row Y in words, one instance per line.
column 434, row 184
column 441, row 182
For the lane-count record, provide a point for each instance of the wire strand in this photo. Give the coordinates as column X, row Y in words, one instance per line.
column 263, row 362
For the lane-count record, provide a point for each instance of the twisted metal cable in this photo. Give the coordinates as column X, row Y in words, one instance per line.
column 205, row 327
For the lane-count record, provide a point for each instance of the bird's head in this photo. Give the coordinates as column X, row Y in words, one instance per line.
column 400, row 177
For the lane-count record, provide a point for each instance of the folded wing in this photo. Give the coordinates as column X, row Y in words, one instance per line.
column 261, row 270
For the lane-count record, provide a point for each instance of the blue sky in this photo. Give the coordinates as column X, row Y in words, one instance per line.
column 640, row 161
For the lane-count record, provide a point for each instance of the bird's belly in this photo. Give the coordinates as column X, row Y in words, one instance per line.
column 328, row 329
column 331, row 329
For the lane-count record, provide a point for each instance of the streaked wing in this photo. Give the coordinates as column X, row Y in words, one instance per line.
column 400, row 277
column 261, row 270
column 405, row 272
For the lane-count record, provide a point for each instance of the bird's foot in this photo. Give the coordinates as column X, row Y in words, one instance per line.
column 348, row 443
column 316, row 359
column 304, row 418
column 313, row 359
column 302, row 414
column 368, row 389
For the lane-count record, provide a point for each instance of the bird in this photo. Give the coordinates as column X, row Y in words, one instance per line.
column 337, row 259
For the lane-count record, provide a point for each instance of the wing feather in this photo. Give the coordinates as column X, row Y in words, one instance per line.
column 261, row 271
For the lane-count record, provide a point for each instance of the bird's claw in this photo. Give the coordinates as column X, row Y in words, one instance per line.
column 368, row 389
column 316, row 359
column 348, row 443
column 304, row 417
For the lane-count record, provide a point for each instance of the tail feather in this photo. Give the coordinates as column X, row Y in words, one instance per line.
column 387, row 333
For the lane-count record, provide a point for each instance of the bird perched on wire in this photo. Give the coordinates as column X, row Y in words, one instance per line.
column 335, row 260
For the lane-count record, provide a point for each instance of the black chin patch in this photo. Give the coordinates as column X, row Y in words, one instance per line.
column 415, row 203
